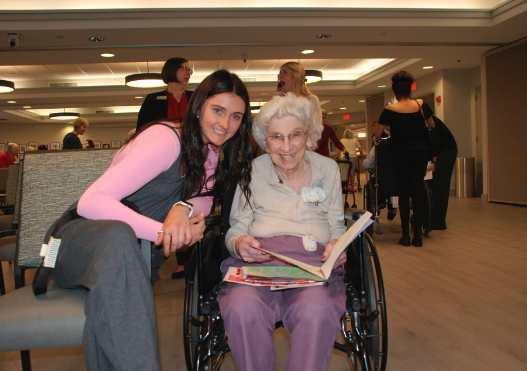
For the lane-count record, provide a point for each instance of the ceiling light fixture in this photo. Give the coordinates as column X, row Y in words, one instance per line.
column 107, row 55
column 307, row 51
column 64, row 115
column 362, row 101
column 26, row 107
column 313, row 76
column 138, row 97
column 6, row 86
column 11, row 101
column 381, row 86
column 342, row 107
column 428, row 67
column 144, row 80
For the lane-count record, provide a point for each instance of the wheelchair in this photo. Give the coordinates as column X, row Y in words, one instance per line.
column 364, row 324
column 380, row 191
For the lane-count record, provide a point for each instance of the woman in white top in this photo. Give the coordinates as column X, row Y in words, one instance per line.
column 352, row 145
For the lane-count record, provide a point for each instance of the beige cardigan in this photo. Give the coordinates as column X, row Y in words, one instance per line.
column 278, row 210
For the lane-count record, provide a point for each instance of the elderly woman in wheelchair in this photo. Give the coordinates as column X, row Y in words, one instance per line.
column 279, row 218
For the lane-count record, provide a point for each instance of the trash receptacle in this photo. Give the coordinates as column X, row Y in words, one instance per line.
column 465, row 176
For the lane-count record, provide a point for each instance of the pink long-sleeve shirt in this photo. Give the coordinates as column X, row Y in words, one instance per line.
column 132, row 168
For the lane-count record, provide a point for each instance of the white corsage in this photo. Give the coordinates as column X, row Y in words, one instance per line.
column 315, row 193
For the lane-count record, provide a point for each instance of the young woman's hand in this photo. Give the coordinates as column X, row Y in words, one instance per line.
column 248, row 248
column 343, row 257
column 179, row 230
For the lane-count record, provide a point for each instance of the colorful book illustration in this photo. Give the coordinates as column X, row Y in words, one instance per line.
column 300, row 273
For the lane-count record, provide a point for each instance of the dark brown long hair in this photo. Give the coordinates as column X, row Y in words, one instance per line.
column 193, row 159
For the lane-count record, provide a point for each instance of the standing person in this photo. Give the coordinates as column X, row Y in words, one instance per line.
column 99, row 249
column 172, row 102
column 409, row 150
column 292, row 79
column 444, row 159
column 352, row 145
column 327, row 134
column 71, row 140
column 8, row 157
column 89, row 143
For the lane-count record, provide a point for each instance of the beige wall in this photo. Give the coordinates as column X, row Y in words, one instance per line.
column 45, row 133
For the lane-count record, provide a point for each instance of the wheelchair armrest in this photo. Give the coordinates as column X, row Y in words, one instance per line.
column 352, row 215
column 213, row 220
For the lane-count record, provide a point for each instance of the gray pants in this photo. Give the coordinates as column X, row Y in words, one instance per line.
column 104, row 257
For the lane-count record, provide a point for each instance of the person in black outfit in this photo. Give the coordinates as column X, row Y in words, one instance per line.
column 444, row 159
column 409, row 150
column 161, row 105
column 71, row 140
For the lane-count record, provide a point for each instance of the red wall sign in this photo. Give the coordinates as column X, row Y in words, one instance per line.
column 346, row 117
column 414, row 85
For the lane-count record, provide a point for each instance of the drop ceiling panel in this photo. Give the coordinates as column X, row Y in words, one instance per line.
column 202, row 67
column 265, row 66
column 96, row 70
column 37, row 72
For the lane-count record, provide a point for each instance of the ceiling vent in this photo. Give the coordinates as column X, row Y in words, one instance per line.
column 103, row 112
column 63, row 84
column 249, row 79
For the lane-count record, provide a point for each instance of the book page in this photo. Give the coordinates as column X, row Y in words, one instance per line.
column 344, row 241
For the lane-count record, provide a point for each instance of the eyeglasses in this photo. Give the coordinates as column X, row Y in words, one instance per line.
column 187, row 70
column 295, row 137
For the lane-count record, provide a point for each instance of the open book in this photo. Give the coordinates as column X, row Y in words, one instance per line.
column 298, row 274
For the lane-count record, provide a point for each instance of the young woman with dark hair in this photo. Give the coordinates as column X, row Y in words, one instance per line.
column 409, row 150
column 163, row 201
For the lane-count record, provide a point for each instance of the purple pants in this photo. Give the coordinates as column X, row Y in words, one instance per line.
column 311, row 314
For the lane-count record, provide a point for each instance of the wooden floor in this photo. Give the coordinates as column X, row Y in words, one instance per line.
column 459, row 303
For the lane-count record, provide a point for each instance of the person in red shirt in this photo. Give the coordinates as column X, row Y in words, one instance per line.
column 327, row 134
column 9, row 156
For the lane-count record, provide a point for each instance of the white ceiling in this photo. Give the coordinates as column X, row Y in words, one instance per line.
column 55, row 47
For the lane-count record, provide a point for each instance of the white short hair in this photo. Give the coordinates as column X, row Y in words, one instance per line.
column 287, row 105
column 80, row 121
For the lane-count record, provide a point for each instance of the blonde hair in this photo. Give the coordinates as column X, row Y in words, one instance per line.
column 299, row 79
column 287, row 105
column 348, row 134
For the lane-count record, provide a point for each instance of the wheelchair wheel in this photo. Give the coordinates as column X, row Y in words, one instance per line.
column 427, row 209
column 373, row 317
column 191, row 318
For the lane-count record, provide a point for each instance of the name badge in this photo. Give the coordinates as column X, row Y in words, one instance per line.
column 162, row 97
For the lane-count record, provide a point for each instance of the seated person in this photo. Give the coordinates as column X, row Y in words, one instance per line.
column 277, row 218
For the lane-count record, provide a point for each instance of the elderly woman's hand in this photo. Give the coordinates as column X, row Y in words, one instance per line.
column 343, row 257
column 179, row 230
column 248, row 248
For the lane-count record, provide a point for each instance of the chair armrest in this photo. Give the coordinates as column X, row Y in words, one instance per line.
column 213, row 220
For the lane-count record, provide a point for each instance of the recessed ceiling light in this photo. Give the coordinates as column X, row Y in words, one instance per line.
column 107, row 55
column 381, row 86
column 138, row 97
column 26, row 107
column 307, row 51
column 342, row 107
column 323, row 36
column 11, row 101
column 362, row 101
column 428, row 67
